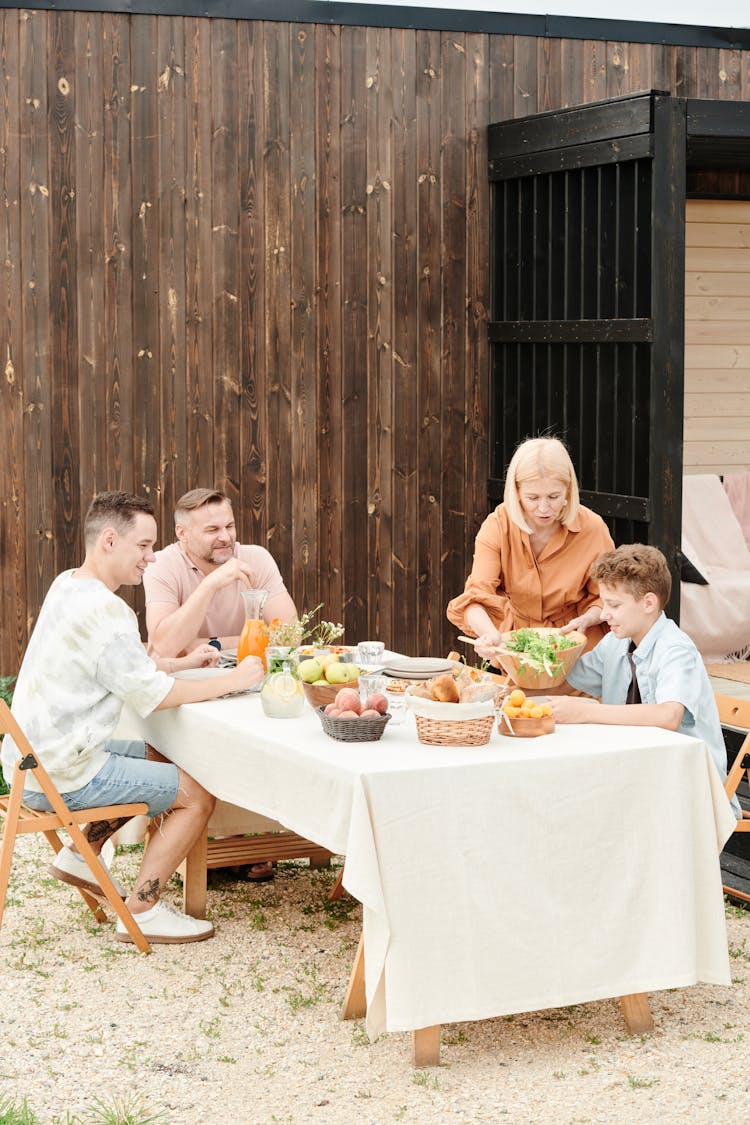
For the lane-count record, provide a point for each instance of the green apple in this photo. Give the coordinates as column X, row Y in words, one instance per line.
column 320, row 683
column 310, row 670
column 341, row 673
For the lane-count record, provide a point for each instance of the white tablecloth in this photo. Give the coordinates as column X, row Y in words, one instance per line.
column 526, row 874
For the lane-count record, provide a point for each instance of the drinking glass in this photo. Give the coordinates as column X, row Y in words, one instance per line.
column 369, row 684
column 370, row 652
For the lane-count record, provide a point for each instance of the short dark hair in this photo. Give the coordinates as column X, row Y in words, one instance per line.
column 637, row 568
column 195, row 499
column 113, row 509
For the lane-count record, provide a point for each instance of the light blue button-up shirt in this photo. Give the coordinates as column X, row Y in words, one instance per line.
column 669, row 670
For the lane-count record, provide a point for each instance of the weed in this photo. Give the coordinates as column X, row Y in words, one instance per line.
column 558, row 1074
column 128, row 1110
column 16, row 1113
column 360, row 1037
column 594, row 1040
column 636, row 1083
column 422, row 1078
column 227, row 1059
column 258, row 920
column 210, row 1028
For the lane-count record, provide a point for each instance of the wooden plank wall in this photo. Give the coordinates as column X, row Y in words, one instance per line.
column 255, row 254
column 717, row 336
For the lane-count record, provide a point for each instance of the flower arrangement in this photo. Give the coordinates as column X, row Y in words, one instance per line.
column 291, row 634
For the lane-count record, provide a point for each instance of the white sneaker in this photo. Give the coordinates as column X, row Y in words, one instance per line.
column 69, row 867
column 163, row 925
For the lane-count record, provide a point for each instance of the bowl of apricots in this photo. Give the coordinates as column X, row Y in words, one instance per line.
column 525, row 716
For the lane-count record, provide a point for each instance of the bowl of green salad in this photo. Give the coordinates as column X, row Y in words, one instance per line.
column 538, row 658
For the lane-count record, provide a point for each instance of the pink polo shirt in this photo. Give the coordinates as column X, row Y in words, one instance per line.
column 172, row 578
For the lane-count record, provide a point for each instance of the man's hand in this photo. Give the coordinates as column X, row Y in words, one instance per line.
column 574, row 709
column 231, row 571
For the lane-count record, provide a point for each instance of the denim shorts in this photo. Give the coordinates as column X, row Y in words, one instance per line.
column 126, row 778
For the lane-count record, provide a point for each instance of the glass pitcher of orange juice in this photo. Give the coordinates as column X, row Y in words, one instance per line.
column 254, row 636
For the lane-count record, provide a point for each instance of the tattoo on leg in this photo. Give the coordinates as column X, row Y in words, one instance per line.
column 101, row 830
column 149, row 892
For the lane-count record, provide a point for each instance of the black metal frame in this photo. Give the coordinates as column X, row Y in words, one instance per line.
column 587, row 305
column 435, row 19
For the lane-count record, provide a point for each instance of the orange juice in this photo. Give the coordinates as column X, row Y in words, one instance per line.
column 253, row 640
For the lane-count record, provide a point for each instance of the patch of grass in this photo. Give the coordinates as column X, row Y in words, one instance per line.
column 636, row 1083
column 16, row 1113
column 360, row 1037
column 128, row 1110
column 258, row 920
column 210, row 1028
column 424, row 1078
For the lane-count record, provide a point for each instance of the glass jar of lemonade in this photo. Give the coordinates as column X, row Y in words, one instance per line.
column 281, row 693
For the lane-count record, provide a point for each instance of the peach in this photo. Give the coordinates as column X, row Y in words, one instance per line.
column 334, row 712
column 347, row 699
column 370, row 713
column 349, row 714
column 377, row 702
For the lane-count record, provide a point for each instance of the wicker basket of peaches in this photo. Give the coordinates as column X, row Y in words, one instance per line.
column 348, row 719
column 453, row 709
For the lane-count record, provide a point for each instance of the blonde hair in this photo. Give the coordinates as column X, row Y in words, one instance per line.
column 195, row 499
column 532, row 460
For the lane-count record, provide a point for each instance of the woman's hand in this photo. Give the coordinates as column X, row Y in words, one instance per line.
column 486, row 643
column 592, row 616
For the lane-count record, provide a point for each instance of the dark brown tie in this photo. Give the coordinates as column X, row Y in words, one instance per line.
column 634, row 695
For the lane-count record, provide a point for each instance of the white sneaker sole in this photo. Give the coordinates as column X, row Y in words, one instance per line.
column 163, row 939
column 74, row 881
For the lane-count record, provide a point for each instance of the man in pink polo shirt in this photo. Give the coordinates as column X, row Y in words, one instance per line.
column 193, row 590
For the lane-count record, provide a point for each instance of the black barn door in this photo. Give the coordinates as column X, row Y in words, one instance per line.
column 587, row 314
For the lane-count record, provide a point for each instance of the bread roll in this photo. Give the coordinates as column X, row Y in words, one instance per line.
column 444, row 689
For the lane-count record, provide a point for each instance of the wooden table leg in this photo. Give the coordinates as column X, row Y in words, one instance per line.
column 195, row 878
column 425, row 1046
column 637, row 1013
column 355, row 1001
column 337, row 890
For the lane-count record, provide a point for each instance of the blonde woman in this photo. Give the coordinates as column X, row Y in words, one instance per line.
column 532, row 554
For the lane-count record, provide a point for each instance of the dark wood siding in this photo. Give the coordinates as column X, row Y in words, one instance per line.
column 256, row 254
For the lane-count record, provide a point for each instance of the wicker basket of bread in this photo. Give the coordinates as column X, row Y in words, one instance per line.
column 452, row 710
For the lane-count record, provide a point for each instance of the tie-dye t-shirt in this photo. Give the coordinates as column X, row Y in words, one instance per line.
column 84, row 660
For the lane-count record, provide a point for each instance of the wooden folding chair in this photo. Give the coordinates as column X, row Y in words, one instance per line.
column 734, row 712
column 17, row 819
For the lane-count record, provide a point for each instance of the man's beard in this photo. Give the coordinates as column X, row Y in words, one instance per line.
column 225, row 553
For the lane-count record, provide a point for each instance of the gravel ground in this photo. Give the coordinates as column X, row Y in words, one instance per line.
column 244, row 1028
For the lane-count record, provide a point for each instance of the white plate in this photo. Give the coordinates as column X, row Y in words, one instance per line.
column 416, row 667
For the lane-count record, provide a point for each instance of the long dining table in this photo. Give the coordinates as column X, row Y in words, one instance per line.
column 521, row 875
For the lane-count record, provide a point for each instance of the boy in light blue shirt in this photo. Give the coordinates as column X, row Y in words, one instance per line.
column 645, row 671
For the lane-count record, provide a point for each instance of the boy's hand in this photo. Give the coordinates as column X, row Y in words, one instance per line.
column 247, row 673
column 573, row 709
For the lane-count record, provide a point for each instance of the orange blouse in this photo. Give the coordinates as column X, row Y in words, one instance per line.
column 519, row 590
